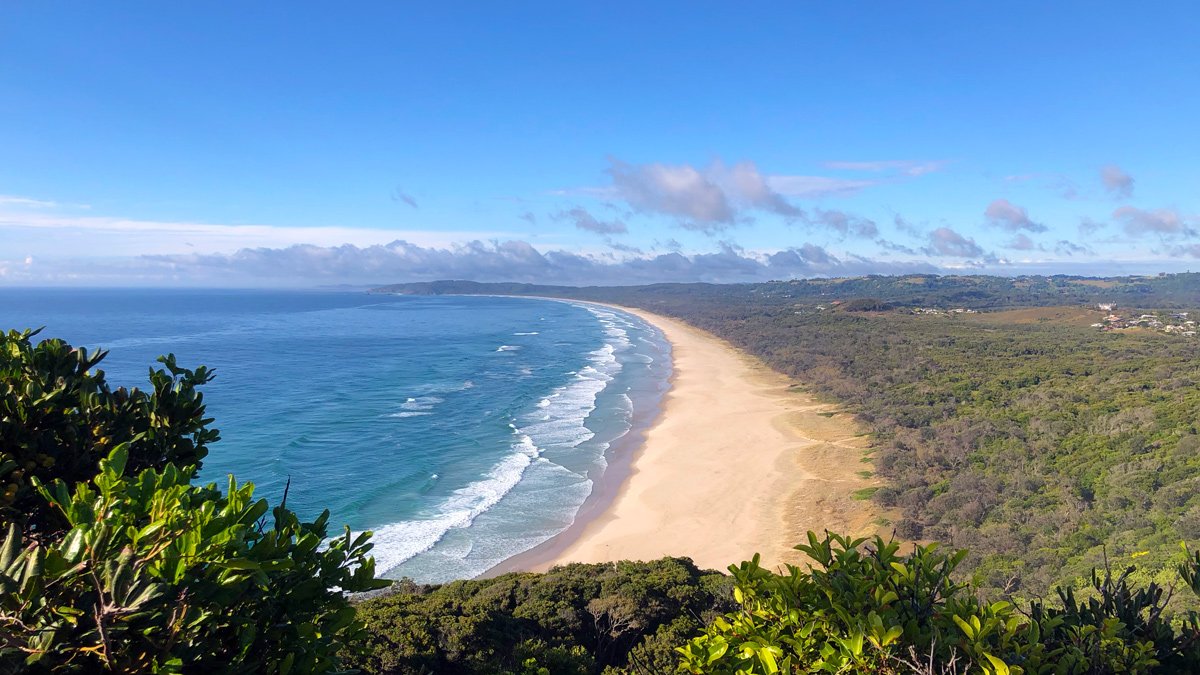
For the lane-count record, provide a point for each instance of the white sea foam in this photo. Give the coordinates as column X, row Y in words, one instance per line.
column 529, row 333
column 553, row 455
column 398, row 542
column 228, row 330
column 507, row 348
column 435, row 388
column 560, row 423
column 627, row 403
column 417, row 406
column 420, row 402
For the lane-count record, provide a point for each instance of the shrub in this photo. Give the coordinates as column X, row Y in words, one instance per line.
column 155, row 574
column 112, row 561
column 59, row 418
column 614, row 618
column 863, row 608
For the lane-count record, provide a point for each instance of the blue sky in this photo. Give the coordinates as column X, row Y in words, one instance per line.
column 292, row 143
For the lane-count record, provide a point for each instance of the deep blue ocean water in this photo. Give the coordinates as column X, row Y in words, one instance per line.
column 462, row 430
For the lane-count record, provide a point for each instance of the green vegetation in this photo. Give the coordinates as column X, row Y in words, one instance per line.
column 1041, row 446
column 862, row 608
column 112, row 561
column 578, row 619
column 60, row 419
column 1167, row 291
column 865, row 305
column 1050, row 449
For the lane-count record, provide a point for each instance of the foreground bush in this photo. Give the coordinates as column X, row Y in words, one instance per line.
column 59, row 418
column 112, row 561
column 863, row 608
column 622, row 617
column 155, row 575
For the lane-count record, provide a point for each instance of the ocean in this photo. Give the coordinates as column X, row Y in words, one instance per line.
column 461, row 430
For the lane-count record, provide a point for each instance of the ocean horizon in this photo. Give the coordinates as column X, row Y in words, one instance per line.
column 462, row 430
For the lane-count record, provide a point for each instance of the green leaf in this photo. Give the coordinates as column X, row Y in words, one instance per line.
column 11, row 547
column 240, row 564
column 966, row 627
column 73, row 545
column 767, row 656
column 999, row 667
column 117, row 459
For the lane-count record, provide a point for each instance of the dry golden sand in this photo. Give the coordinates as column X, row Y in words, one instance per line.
column 740, row 461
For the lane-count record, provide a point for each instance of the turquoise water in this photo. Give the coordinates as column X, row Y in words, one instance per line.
column 462, row 430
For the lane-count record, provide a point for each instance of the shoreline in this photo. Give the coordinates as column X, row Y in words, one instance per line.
column 737, row 460
column 620, row 456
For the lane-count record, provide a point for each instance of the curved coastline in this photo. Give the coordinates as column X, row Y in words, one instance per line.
column 620, row 456
column 736, row 461
column 558, row 451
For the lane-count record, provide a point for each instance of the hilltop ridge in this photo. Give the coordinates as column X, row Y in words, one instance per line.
column 980, row 292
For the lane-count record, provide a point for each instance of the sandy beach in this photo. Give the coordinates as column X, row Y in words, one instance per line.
column 739, row 461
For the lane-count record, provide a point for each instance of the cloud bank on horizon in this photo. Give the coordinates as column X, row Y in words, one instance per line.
column 582, row 147
column 717, row 201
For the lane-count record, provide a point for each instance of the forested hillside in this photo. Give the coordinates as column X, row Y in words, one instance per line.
column 1031, row 438
column 1167, row 291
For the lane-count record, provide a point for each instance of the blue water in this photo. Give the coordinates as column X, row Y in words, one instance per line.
column 462, row 430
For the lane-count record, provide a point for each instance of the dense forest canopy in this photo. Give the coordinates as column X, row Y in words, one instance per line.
column 1018, row 430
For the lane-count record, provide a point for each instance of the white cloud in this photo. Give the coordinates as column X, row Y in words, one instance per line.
column 1070, row 248
column 716, row 196
column 397, row 261
column 583, row 220
column 1118, row 183
column 748, row 186
column 1166, row 223
column 1021, row 242
column 681, row 191
column 26, row 202
column 843, row 223
column 60, row 235
column 904, row 167
column 812, row 187
column 946, row 242
column 1003, row 213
